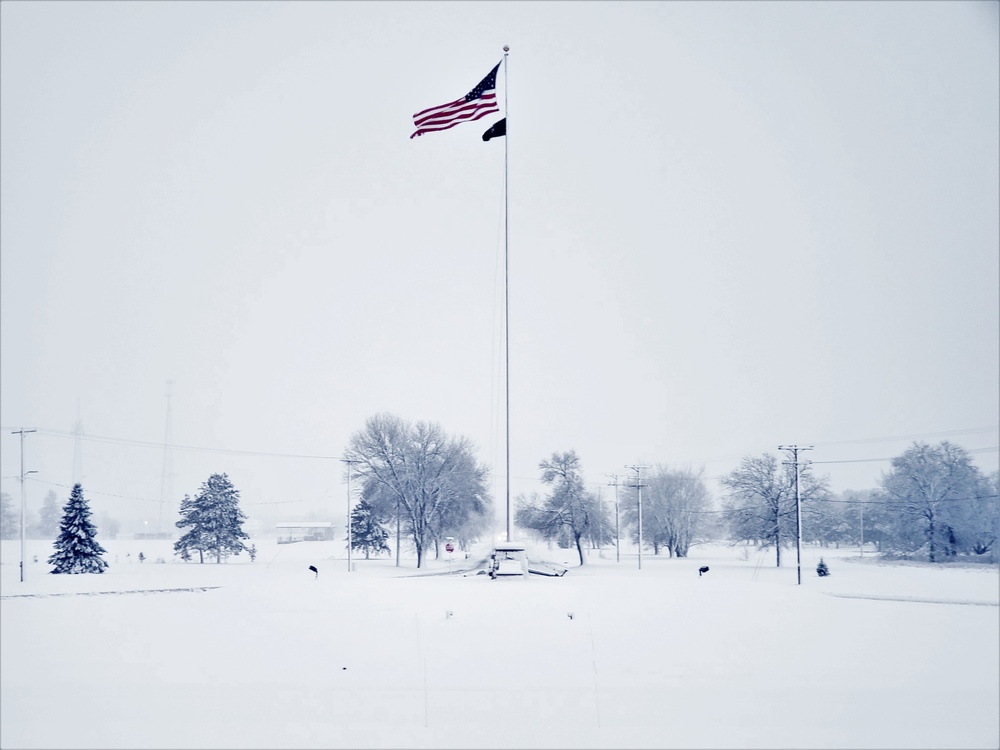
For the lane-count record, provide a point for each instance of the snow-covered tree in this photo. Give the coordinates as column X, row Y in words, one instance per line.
column 567, row 513
column 77, row 549
column 760, row 500
column 367, row 532
column 939, row 496
column 673, row 501
column 214, row 520
column 10, row 523
column 984, row 514
column 192, row 540
column 48, row 517
column 428, row 481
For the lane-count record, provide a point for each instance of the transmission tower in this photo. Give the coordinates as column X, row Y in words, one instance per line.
column 78, row 448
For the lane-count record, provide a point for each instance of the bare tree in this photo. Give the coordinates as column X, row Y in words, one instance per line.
column 984, row 517
column 672, row 505
column 429, row 481
column 760, row 500
column 567, row 513
column 932, row 488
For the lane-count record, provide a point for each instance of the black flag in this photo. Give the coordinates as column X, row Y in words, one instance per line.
column 499, row 128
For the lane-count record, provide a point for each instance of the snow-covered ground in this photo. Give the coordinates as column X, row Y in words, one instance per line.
column 266, row 655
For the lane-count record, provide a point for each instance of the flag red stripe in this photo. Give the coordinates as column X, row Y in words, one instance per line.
column 454, row 109
column 440, row 106
column 445, row 121
column 478, row 103
column 473, row 114
column 453, row 123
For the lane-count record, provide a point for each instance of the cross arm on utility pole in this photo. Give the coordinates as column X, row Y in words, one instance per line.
column 637, row 468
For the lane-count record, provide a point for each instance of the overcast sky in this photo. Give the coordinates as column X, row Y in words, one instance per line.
column 731, row 226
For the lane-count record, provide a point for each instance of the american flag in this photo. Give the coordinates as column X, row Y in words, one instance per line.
column 479, row 102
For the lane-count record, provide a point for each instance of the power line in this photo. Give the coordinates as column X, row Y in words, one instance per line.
column 913, row 436
column 146, row 499
column 276, row 454
column 859, row 441
column 161, row 446
column 990, row 449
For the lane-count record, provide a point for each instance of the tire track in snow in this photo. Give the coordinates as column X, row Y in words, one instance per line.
column 919, row 599
column 106, row 593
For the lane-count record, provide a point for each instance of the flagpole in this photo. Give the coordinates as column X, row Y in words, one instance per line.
column 506, row 288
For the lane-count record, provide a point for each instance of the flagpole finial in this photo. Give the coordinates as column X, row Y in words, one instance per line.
column 506, row 48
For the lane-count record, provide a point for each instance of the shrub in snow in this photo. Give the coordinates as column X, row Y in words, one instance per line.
column 821, row 569
column 77, row 551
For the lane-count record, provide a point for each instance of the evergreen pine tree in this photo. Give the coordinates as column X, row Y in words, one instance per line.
column 192, row 539
column 10, row 520
column 48, row 516
column 821, row 569
column 215, row 520
column 367, row 532
column 77, row 550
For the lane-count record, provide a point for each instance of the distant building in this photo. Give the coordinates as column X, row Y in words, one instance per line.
column 151, row 535
column 305, row 531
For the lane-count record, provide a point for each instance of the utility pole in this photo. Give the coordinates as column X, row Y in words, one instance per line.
column 350, row 540
column 794, row 450
column 165, row 486
column 637, row 468
column 618, row 549
column 397, row 531
column 22, row 433
column 600, row 521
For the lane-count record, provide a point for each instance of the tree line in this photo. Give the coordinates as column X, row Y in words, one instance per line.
column 46, row 524
column 569, row 514
column 423, row 486
column 415, row 477
column 933, row 504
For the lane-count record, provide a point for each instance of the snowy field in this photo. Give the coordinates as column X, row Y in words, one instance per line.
column 265, row 655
